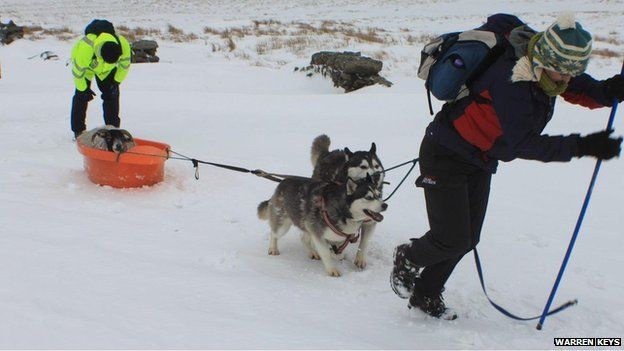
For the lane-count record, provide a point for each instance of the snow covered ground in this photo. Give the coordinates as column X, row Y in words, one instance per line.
column 184, row 264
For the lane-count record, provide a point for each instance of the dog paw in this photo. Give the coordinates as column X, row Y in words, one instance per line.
column 274, row 252
column 339, row 257
column 314, row 256
column 360, row 262
column 334, row 272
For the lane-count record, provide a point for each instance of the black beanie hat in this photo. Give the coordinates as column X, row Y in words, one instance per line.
column 110, row 51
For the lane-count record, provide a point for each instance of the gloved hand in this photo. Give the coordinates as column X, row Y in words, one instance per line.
column 599, row 145
column 86, row 95
column 614, row 88
column 114, row 88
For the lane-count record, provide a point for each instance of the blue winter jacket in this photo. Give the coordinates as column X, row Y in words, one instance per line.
column 504, row 120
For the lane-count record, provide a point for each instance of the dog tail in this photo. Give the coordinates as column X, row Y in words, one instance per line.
column 263, row 210
column 320, row 145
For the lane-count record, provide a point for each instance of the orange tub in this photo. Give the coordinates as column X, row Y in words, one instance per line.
column 130, row 170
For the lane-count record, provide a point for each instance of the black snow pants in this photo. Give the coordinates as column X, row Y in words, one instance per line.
column 110, row 103
column 456, row 195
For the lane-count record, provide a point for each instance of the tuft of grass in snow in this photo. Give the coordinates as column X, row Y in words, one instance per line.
column 275, row 43
column 136, row 33
column 605, row 53
column 608, row 40
column 38, row 32
column 231, row 45
column 178, row 35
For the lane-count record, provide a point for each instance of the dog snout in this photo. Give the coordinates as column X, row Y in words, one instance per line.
column 118, row 147
column 384, row 206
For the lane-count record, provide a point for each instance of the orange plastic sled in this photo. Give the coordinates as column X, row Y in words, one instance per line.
column 130, row 170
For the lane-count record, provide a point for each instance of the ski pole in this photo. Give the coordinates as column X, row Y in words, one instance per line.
column 579, row 221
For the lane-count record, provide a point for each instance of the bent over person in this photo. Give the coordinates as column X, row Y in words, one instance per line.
column 105, row 56
column 510, row 104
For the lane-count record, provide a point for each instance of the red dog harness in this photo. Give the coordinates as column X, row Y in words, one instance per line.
column 349, row 238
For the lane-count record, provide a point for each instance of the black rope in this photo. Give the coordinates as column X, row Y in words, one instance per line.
column 260, row 173
column 414, row 161
column 196, row 166
column 161, row 156
column 196, row 162
column 397, row 166
column 504, row 311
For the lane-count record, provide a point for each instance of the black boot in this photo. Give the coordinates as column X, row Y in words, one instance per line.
column 404, row 273
column 431, row 305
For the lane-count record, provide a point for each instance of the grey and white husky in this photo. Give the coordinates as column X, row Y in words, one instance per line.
column 329, row 214
column 108, row 138
column 340, row 165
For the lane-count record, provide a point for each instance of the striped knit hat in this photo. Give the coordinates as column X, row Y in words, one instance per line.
column 564, row 47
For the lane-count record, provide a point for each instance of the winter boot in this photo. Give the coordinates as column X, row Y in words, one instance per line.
column 431, row 305
column 404, row 273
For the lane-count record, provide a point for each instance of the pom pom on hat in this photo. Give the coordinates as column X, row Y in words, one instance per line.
column 566, row 20
column 563, row 47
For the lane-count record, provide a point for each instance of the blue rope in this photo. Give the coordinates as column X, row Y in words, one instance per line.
column 504, row 311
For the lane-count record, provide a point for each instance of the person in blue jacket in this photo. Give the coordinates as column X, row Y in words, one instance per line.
column 503, row 119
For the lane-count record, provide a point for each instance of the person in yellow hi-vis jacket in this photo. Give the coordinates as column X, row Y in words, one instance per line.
column 106, row 56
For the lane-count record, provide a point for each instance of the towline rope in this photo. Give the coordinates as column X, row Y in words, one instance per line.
column 260, row 173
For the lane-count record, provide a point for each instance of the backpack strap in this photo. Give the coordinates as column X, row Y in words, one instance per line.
column 429, row 101
column 492, row 56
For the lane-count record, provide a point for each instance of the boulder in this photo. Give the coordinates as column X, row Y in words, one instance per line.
column 10, row 32
column 348, row 70
column 144, row 51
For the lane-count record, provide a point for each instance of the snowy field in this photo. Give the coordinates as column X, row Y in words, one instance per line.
column 184, row 264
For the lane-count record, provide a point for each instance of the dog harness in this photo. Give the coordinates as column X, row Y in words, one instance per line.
column 349, row 238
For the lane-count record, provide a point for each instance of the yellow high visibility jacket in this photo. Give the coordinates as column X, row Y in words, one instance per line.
column 88, row 62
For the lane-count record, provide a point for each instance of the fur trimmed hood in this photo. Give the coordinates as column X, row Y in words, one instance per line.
column 523, row 71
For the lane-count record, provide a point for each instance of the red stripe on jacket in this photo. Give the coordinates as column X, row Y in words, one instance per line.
column 581, row 99
column 479, row 125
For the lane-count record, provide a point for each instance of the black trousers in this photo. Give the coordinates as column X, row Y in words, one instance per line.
column 456, row 195
column 110, row 103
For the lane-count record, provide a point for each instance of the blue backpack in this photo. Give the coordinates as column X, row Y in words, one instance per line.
column 450, row 62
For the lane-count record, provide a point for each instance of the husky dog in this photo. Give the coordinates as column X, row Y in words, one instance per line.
column 108, row 138
column 338, row 166
column 329, row 214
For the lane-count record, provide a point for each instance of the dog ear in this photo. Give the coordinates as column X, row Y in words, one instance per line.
column 348, row 153
column 351, row 186
column 126, row 134
column 99, row 134
column 373, row 149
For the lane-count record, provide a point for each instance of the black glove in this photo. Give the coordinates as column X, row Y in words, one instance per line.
column 114, row 88
column 599, row 145
column 614, row 88
column 86, row 95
